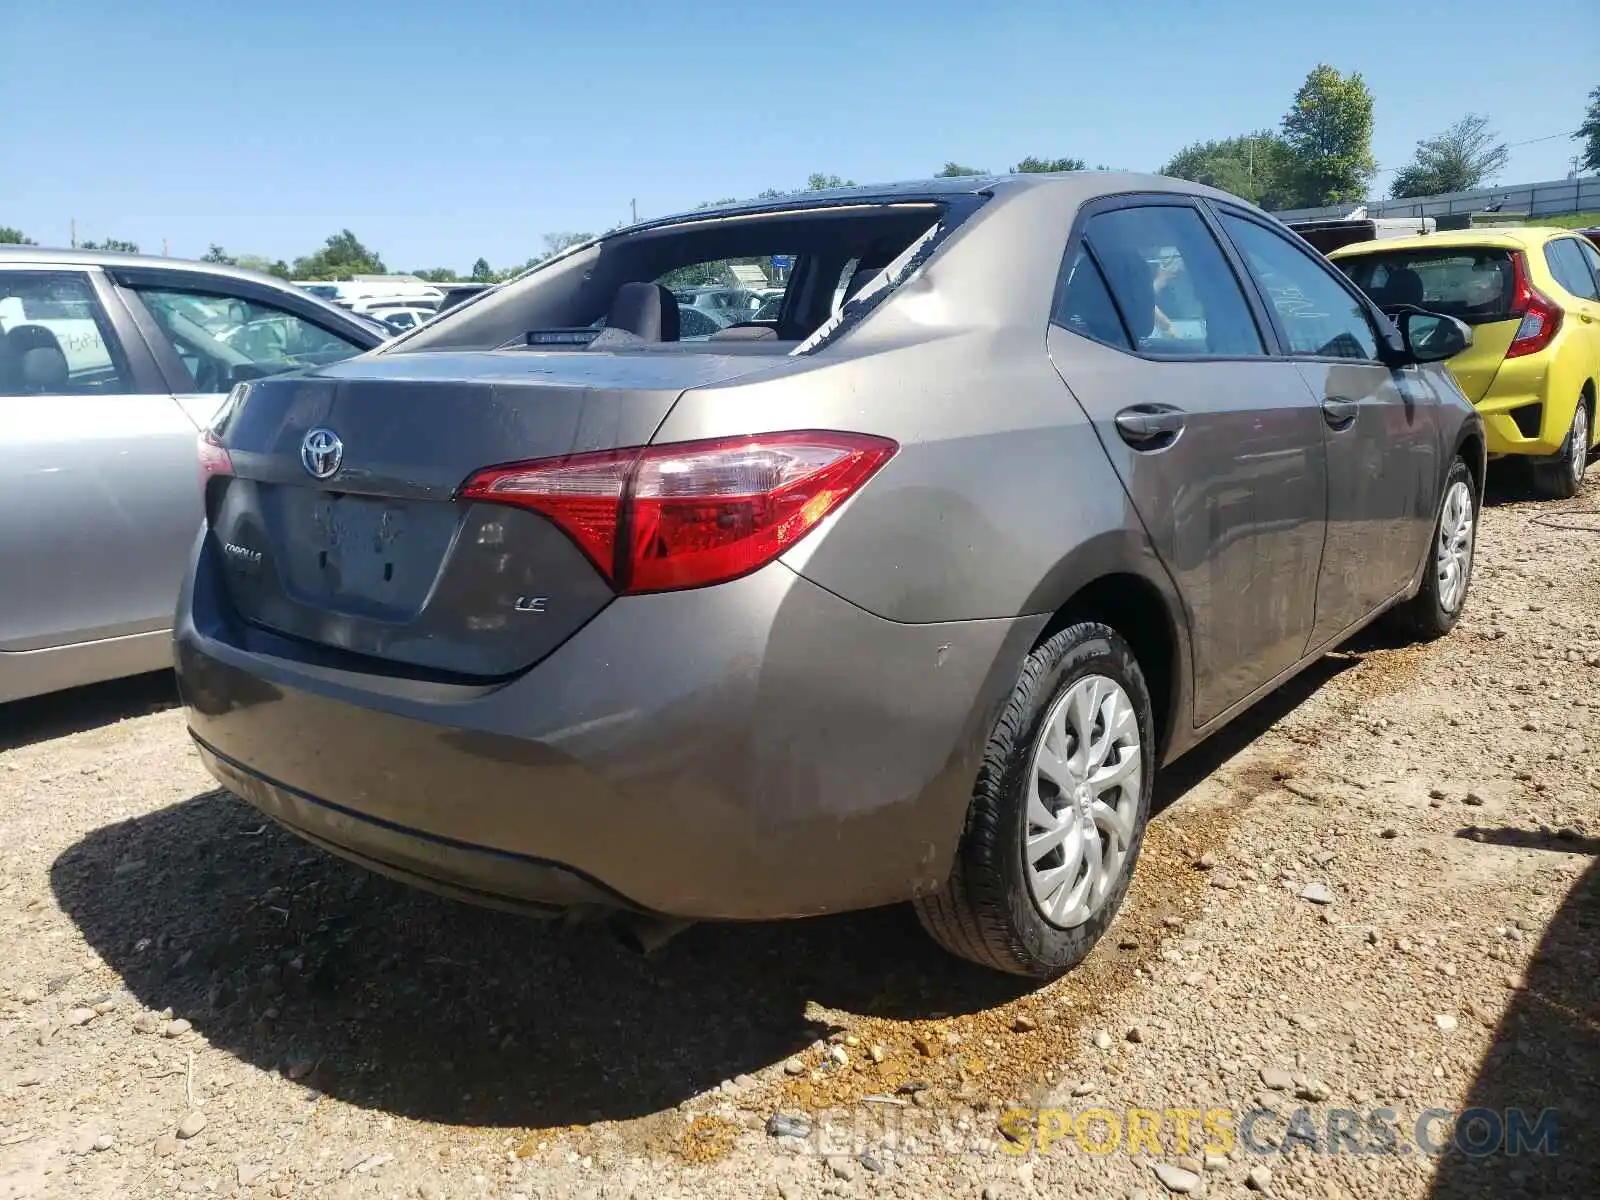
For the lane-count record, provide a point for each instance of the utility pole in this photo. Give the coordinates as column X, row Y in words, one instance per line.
column 73, row 235
column 634, row 204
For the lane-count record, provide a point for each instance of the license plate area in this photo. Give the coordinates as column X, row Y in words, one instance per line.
column 360, row 554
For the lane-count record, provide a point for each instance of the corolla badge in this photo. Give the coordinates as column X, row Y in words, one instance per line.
column 321, row 453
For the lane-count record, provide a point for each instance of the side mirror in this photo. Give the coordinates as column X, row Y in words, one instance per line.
column 1432, row 337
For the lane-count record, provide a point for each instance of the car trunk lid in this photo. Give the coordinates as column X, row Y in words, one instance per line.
column 381, row 558
column 1476, row 366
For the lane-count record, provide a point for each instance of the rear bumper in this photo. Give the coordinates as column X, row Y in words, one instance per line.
column 1543, row 392
column 1504, row 435
column 759, row 749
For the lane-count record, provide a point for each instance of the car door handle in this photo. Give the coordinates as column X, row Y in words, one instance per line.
column 1339, row 413
column 1150, row 426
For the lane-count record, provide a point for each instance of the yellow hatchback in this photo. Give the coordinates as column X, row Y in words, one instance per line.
column 1532, row 297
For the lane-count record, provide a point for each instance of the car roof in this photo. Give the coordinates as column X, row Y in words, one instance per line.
column 1505, row 237
column 1092, row 182
column 48, row 256
column 115, row 258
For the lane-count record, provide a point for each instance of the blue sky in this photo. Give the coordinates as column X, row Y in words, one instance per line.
column 441, row 130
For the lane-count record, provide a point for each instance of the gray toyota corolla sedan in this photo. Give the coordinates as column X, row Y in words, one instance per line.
column 907, row 593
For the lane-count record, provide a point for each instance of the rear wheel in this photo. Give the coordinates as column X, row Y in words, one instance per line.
column 1562, row 476
column 1436, row 608
column 1058, row 813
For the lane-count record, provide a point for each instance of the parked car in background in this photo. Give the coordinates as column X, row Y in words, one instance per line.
column 545, row 606
column 358, row 291
column 401, row 318
column 455, row 293
column 697, row 324
column 1532, row 297
column 110, row 364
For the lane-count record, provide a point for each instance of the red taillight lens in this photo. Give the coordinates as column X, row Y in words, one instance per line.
column 581, row 493
column 702, row 513
column 1541, row 316
column 692, row 513
column 213, row 457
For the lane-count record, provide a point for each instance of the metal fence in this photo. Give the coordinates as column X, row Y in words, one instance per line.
column 1535, row 199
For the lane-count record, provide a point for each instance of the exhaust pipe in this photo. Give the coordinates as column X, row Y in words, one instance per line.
column 646, row 933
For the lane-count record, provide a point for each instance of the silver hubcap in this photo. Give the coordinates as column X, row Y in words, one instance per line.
column 1083, row 797
column 1578, row 455
column 1454, row 558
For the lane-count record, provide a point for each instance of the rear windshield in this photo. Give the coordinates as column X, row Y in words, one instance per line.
column 1474, row 284
column 761, row 282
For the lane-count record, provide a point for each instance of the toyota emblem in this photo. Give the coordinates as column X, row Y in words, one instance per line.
column 321, row 453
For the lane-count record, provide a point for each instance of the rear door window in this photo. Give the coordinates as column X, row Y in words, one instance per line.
column 1084, row 304
column 1172, row 290
column 224, row 339
column 1590, row 256
column 1474, row 284
column 1565, row 259
column 56, row 337
column 1319, row 317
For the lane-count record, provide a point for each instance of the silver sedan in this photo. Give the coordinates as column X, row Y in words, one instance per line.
column 109, row 366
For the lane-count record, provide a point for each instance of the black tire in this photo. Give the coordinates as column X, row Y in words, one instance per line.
column 1561, row 477
column 1424, row 616
column 986, row 911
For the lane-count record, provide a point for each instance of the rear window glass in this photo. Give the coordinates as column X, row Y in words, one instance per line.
column 1474, row 284
column 779, row 281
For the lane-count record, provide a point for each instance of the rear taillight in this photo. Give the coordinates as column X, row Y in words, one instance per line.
column 1541, row 316
column 214, row 458
column 685, row 515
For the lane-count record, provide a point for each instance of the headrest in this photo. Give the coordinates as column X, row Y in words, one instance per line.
column 42, row 369
column 648, row 310
column 1404, row 286
column 38, row 365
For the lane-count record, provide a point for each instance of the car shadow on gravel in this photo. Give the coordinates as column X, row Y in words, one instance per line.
column 40, row 718
column 390, row 998
column 1545, row 1056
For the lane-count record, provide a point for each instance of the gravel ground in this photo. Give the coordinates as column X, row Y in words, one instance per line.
column 1377, row 891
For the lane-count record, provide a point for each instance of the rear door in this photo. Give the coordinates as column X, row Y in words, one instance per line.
column 1217, row 443
column 1567, row 261
column 99, row 500
column 1380, row 425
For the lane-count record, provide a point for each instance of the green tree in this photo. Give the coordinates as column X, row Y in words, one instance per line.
column 1463, row 157
column 1044, row 166
column 954, row 170
column 482, row 272
column 1329, row 131
column 437, row 275
column 1256, row 166
column 257, row 262
column 1589, row 131
column 341, row 256
column 817, row 182
column 14, row 237
column 555, row 243
column 216, row 254
column 111, row 244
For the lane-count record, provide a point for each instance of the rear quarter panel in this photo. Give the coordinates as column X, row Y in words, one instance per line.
column 1001, row 501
